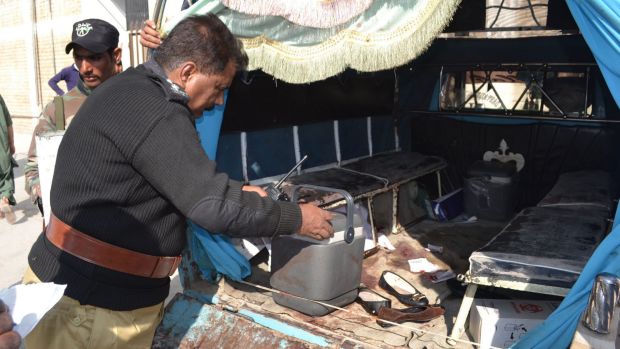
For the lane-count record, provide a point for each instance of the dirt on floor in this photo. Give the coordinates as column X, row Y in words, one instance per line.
column 458, row 240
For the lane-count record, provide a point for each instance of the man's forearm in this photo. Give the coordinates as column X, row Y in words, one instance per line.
column 31, row 170
column 54, row 85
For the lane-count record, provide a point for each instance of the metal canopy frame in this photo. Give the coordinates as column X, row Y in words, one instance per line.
column 534, row 82
column 530, row 6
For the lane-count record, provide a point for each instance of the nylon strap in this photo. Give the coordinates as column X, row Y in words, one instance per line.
column 59, row 113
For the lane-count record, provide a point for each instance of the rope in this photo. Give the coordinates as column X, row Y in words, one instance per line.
column 409, row 327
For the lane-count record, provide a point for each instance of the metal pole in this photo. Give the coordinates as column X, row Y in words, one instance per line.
column 541, row 118
column 585, row 106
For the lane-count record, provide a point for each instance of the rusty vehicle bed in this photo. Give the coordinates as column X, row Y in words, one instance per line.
column 231, row 314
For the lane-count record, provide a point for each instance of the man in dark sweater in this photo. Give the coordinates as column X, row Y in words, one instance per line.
column 130, row 171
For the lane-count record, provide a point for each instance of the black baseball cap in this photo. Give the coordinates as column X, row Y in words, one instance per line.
column 94, row 35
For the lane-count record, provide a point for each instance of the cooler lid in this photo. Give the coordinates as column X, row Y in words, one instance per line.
column 493, row 168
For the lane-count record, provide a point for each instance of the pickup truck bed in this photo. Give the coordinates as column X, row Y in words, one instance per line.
column 231, row 314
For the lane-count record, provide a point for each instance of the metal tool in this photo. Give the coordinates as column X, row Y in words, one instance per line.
column 275, row 192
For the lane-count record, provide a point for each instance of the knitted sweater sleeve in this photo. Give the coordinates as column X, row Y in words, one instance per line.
column 171, row 159
column 54, row 80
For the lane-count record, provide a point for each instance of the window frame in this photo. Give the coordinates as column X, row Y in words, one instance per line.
column 534, row 71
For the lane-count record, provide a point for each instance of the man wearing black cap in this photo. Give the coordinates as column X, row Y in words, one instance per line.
column 96, row 54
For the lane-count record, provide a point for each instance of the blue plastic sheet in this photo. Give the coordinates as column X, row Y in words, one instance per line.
column 558, row 329
column 599, row 22
column 208, row 127
column 214, row 254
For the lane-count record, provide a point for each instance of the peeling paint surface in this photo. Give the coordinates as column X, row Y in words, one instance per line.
column 286, row 328
column 189, row 323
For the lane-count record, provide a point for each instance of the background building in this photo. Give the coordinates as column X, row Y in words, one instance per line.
column 33, row 35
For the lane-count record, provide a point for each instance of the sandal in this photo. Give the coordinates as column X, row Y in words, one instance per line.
column 372, row 301
column 398, row 287
column 413, row 314
column 7, row 211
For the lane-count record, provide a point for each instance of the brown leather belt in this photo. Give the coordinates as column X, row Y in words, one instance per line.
column 107, row 255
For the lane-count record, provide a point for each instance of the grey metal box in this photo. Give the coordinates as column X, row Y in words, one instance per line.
column 328, row 271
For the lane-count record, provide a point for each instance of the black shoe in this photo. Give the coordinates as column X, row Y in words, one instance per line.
column 371, row 300
column 402, row 290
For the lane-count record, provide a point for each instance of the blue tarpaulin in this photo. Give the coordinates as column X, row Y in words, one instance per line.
column 599, row 22
column 214, row 254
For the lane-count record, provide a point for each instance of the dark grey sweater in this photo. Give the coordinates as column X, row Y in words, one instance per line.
column 129, row 170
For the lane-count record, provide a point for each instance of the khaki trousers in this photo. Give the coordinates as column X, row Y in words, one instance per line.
column 71, row 325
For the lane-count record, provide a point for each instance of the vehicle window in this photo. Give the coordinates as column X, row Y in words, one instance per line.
column 518, row 90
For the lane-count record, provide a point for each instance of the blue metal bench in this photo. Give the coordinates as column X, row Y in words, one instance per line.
column 362, row 156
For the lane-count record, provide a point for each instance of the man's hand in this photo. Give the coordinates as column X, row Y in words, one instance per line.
column 35, row 192
column 149, row 36
column 9, row 339
column 255, row 189
column 315, row 222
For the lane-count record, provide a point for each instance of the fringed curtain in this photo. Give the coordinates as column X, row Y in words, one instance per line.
column 309, row 13
column 388, row 34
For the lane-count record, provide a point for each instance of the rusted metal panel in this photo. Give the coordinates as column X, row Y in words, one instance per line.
column 189, row 323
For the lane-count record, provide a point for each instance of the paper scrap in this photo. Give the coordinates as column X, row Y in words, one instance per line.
column 369, row 244
column 466, row 219
column 28, row 303
column 384, row 242
column 420, row 265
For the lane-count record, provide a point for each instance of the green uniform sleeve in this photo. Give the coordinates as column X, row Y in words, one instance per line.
column 5, row 112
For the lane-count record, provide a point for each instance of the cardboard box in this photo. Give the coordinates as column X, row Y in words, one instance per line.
column 500, row 322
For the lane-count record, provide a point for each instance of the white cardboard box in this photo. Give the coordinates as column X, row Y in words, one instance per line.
column 500, row 322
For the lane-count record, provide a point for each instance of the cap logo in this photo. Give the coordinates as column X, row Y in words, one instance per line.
column 83, row 28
